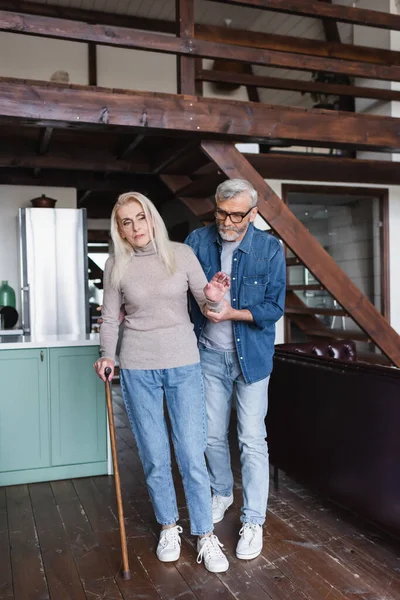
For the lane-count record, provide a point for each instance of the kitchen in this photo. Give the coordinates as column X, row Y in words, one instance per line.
column 52, row 407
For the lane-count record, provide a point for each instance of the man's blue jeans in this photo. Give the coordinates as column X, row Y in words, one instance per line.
column 222, row 376
column 143, row 393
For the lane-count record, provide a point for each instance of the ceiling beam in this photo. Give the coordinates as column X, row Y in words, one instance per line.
column 297, row 85
column 285, row 43
column 44, row 139
column 128, row 149
column 76, row 179
column 306, row 167
column 158, row 42
column 50, row 104
column 315, row 9
column 15, row 153
column 88, row 16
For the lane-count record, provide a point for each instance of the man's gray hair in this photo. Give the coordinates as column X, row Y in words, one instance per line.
column 233, row 187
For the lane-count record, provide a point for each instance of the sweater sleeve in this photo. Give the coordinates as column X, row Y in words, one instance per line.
column 197, row 281
column 112, row 300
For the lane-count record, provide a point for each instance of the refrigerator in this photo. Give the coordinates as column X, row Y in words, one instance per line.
column 54, row 271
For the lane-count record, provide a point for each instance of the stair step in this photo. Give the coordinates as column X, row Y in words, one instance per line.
column 343, row 334
column 310, row 288
column 293, row 261
column 309, row 310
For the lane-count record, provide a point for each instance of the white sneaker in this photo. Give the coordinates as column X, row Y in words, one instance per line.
column 251, row 541
column 209, row 549
column 169, row 544
column 220, row 505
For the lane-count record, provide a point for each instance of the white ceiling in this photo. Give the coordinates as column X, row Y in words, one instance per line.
column 214, row 13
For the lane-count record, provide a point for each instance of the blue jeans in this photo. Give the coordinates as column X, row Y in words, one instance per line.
column 222, row 376
column 143, row 392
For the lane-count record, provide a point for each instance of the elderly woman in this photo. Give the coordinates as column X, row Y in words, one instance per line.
column 159, row 357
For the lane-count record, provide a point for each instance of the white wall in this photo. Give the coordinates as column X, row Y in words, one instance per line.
column 12, row 198
column 29, row 57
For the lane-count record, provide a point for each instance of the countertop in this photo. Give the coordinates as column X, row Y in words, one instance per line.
column 20, row 342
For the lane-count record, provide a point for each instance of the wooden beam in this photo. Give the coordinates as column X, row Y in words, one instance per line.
column 306, row 167
column 168, row 155
column 314, row 8
column 44, row 139
column 310, row 252
column 285, row 43
column 127, row 150
column 210, row 32
column 76, row 179
column 185, row 65
column 88, row 16
column 67, row 156
column 92, row 63
column 198, row 206
column 51, row 104
column 297, row 85
column 252, row 91
column 157, row 42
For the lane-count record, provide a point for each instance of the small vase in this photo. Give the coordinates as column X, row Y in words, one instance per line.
column 7, row 295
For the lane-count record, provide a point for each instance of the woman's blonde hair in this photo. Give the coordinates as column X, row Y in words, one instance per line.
column 123, row 251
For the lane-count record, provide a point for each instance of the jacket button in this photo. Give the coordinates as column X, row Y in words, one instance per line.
column 241, row 358
column 238, row 340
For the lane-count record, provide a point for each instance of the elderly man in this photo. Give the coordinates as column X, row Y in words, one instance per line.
column 236, row 350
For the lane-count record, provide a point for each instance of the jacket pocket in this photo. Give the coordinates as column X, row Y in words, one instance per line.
column 254, row 287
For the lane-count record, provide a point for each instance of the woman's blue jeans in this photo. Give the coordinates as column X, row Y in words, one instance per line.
column 143, row 392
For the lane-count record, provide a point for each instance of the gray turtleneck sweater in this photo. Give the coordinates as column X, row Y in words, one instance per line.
column 158, row 333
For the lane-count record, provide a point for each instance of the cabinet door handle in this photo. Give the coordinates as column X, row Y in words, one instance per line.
column 42, row 355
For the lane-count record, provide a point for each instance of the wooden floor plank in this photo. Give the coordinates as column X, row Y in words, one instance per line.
column 26, row 560
column 97, row 578
column 60, row 541
column 6, row 584
column 59, row 565
column 376, row 568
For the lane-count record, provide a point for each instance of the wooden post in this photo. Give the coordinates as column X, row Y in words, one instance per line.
column 185, row 65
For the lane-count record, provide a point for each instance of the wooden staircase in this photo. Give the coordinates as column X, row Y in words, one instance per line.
column 196, row 192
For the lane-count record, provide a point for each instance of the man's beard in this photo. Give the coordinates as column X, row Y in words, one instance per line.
column 231, row 233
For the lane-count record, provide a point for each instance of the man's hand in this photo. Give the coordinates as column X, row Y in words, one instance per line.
column 225, row 314
column 216, row 288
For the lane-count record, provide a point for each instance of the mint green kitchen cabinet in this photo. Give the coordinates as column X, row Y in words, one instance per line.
column 24, row 410
column 53, row 421
column 78, row 414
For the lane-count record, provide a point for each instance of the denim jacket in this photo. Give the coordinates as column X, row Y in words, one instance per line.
column 258, row 281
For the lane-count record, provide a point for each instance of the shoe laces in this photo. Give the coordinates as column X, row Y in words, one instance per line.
column 211, row 548
column 170, row 536
column 249, row 531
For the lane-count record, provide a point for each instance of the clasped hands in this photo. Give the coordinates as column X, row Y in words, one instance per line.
column 215, row 291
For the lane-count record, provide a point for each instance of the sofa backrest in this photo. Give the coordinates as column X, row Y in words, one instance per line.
column 324, row 347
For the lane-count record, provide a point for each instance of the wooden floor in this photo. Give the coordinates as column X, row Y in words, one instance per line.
column 60, row 540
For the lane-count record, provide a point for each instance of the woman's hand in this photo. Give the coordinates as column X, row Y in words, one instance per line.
column 102, row 364
column 216, row 288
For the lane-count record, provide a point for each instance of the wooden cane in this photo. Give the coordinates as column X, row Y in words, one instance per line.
column 126, row 572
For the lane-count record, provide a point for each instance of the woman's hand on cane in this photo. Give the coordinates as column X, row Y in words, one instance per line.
column 100, row 366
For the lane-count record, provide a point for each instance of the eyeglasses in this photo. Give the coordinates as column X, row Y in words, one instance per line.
column 221, row 215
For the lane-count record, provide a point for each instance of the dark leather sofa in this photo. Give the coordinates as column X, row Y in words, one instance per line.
column 334, row 423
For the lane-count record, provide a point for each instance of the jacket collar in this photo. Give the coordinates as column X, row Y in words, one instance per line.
column 245, row 244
